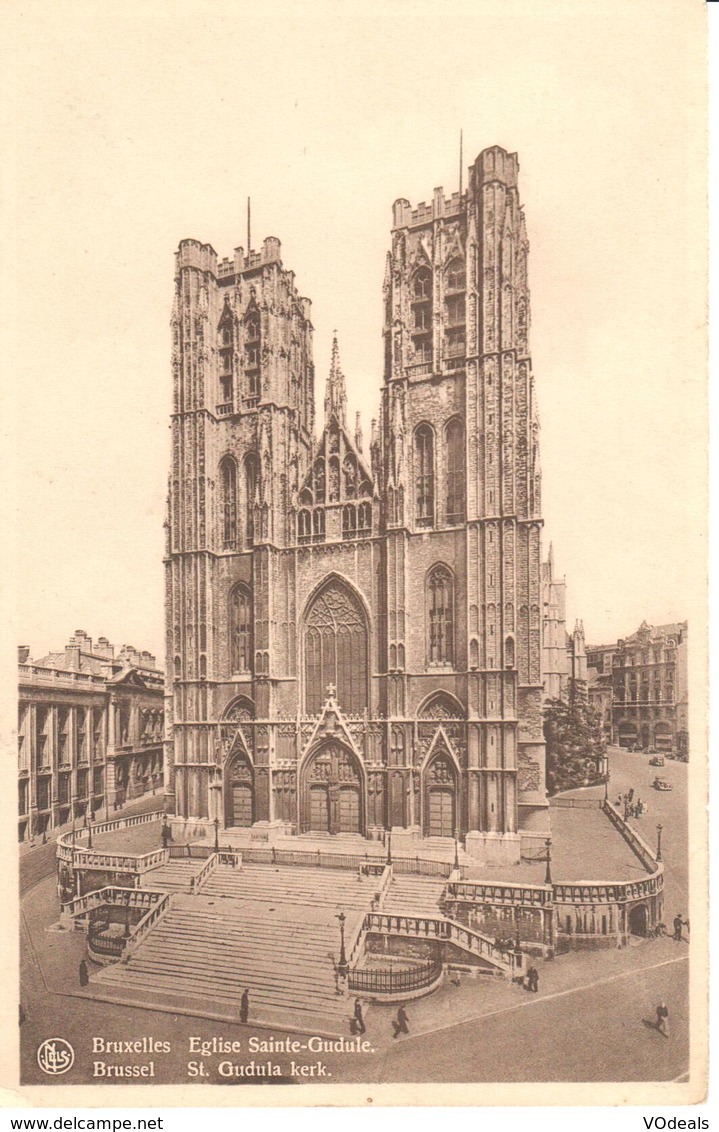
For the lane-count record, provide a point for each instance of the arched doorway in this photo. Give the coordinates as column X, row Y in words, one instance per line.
column 639, row 920
column 440, row 805
column 240, row 794
column 663, row 736
column 332, row 792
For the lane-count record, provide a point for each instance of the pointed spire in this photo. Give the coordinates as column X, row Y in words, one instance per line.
column 336, row 397
column 359, row 439
column 550, row 559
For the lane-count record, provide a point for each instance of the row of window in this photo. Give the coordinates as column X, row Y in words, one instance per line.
column 425, row 462
column 251, row 358
column 454, row 312
column 229, row 499
column 356, row 523
column 337, row 634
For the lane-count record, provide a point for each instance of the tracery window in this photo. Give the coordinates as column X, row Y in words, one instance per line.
column 440, row 616
column 364, row 518
column 422, row 284
column 336, row 650
column 304, row 528
column 454, row 439
column 349, row 521
column 240, row 629
column 456, row 276
column 318, row 526
column 228, row 502
column 424, row 469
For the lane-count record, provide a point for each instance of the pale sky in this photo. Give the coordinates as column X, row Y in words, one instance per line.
column 136, row 125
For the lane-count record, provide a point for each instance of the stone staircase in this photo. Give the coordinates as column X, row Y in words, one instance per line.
column 271, row 930
column 175, row 876
column 413, row 895
column 283, row 886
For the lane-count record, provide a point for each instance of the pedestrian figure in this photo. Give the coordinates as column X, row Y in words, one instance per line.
column 359, row 1026
column 533, row 979
column 244, row 1005
column 663, row 1019
column 400, row 1023
column 83, row 974
column 678, row 925
column 630, row 795
column 165, row 834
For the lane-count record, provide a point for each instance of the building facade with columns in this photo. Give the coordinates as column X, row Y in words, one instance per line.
column 90, row 732
column 354, row 639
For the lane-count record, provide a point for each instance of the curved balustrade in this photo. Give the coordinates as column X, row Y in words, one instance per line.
column 388, row 980
column 534, row 896
column 112, row 894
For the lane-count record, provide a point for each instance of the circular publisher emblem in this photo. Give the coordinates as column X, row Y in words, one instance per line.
column 55, row 1056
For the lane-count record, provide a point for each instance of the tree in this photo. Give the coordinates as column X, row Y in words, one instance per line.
column 575, row 741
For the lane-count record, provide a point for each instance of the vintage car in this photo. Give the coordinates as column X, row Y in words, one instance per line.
column 656, row 761
column 661, row 784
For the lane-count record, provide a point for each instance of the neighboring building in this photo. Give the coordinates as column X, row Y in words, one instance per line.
column 563, row 654
column 356, row 644
column 90, row 732
column 647, row 676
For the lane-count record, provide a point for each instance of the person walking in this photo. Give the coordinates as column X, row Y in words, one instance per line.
column 83, row 973
column 244, row 1005
column 663, row 1018
column 359, row 1026
column 166, row 833
column 400, row 1022
column 678, row 925
column 533, row 979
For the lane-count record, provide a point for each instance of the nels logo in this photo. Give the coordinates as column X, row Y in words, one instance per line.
column 55, row 1056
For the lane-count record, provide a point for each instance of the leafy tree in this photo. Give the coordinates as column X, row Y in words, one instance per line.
column 575, row 741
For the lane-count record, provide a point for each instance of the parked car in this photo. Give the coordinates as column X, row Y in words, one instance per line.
column 661, row 784
column 656, row 761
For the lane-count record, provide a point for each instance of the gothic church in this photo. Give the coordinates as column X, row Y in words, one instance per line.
column 354, row 639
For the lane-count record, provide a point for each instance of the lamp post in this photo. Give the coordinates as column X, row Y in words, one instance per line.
column 217, row 834
column 342, row 965
column 548, row 873
column 659, row 842
column 389, row 849
column 456, row 848
column 89, row 829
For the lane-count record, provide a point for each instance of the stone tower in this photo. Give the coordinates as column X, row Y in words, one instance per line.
column 462, row 486
column 242, row 425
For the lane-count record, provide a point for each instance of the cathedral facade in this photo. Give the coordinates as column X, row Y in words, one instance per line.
column 354, row 639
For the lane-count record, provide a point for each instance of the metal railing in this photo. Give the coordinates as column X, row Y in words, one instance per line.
column 395, row 981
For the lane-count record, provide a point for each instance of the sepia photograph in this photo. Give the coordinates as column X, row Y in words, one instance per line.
column 372, row 761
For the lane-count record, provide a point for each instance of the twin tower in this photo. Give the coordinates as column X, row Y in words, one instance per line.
column 354, row 637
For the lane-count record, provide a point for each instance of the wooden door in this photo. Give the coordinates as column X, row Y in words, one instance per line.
column 441, row 812
column 349, row 815
column 242, row 805
column 319, row 809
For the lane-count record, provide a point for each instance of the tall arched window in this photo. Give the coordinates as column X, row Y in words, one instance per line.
column 336, row 650
column 440, row 616
column 252, row 352
column 228, row 503
column 454, row 440
column 424, row 475
column 304, row 527
column 422, row 285
column 240, row 629
column 252, row 485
